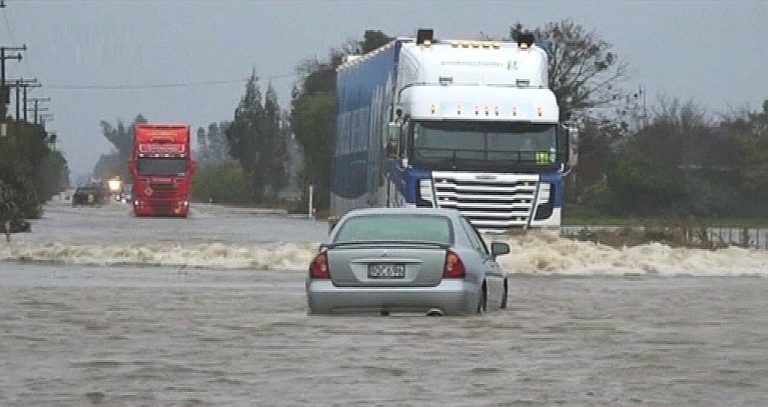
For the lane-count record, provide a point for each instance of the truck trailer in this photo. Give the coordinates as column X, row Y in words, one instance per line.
column 463, row 124
column 161, row 165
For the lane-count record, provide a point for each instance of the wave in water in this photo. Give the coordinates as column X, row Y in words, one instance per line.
column 542, row 253
column 535, row 253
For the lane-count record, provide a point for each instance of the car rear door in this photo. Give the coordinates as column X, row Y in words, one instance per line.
column 386, row 265
column 494, row 275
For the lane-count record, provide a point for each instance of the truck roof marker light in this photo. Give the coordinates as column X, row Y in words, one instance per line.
column 496, row 45
column 514, row 112
column 454, row 44
column 458, row 110
column 433, row 108
column 475, row 44
column 465, row 45
column 496, row 111
column 477, row 110
column 524, row 40
column 540, row 111
column 424, row 35
column 487, row 111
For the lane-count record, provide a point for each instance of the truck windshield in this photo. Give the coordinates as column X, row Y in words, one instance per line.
column 162, row 166
column 472, row 145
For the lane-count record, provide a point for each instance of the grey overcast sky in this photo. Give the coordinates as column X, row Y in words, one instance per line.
column 711, row 52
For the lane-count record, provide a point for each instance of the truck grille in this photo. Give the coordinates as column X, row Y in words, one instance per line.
column 163, row 190
column 490, row 202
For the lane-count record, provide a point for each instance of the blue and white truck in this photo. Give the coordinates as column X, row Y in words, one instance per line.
column 464, row 124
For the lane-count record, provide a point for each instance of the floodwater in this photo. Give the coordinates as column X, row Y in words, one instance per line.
column 98, row 308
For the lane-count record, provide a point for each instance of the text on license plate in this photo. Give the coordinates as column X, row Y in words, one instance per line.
column 386, row 270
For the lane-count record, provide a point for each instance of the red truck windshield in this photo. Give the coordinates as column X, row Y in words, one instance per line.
column 162, row 166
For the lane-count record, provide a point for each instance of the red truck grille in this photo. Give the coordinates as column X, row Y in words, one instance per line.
column 163, row 190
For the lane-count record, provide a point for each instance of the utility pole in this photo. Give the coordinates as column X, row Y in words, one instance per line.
column 43, row 118
column 19, row 84
column 15, row 53
column 34, row 85
column 37, row 109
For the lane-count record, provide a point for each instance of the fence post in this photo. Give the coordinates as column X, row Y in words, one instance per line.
column 311, row 211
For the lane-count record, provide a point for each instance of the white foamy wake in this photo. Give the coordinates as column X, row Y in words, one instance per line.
column 534, row 253
column 211, row 255
column 542, row 253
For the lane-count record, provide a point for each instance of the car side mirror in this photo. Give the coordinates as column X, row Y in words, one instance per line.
column 499, row 248
column 332, row 222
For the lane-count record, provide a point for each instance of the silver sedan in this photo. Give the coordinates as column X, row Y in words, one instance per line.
column 391, row 260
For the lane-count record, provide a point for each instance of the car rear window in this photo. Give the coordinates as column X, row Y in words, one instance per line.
column 412, row 228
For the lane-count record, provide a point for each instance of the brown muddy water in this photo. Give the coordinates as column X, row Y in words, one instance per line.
column 79, row 335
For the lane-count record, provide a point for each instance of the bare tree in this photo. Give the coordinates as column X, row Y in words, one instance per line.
column 582, row 70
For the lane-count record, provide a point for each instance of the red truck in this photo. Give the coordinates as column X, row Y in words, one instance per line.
column 161, row 165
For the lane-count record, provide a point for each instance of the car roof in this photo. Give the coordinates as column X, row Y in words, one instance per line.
column 451, row 213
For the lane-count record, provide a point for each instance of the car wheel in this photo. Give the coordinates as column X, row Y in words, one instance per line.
column 481, row 303
column 504, row 295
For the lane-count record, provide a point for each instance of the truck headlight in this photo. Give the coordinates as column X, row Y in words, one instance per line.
column 545, row 203
column 545, row 188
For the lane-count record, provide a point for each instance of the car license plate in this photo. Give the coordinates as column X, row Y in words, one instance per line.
column 386, row 271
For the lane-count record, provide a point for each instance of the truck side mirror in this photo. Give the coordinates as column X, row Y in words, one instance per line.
column 567, row 140
column 392, row 140
column 573, row 146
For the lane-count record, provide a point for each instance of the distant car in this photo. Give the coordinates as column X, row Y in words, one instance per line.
column 389, row 260
column 91, row 196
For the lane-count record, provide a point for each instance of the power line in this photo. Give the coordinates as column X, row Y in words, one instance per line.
column 148, row 86
column 160, row 85
column 11, row 36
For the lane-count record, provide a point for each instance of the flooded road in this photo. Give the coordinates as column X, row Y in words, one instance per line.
column 228, row 334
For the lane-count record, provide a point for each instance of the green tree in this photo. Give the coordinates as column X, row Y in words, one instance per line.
column 221, row 183
column 52, row 175
column 245, row 135
column 213, row 149
column 121, row 137
column 313, row 108
column 30, row 172
column 670, row 167
column 202, row 146
column 373, row 39
column 746, row 156
column 272, row 147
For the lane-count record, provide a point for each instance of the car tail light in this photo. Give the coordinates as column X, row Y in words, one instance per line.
column 454, row 268
column 319, row 267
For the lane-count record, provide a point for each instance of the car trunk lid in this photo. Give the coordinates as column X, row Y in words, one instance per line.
column 383, row 266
